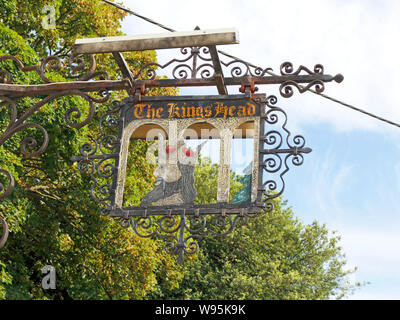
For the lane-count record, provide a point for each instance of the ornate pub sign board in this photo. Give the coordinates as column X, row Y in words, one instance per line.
column 170, row 209
column 173, row 119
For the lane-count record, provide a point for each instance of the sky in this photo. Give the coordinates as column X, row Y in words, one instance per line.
column 351, row 179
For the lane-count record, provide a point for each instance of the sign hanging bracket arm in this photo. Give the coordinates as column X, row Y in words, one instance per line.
column 248, row 87
column 138, row 92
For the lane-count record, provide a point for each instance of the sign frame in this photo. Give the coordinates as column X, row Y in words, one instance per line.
column 125, row 122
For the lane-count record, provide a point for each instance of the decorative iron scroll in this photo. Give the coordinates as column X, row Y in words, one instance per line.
column 197, row 67
column 181, row 230
column 19, row 122
column 4, row 235
column 76, row 66
column 98, row 158
column 285, row 88
column 276, row 146
column 197, row 63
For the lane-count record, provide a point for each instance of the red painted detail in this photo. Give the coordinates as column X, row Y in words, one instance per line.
column 170, row 149
column 187, row 152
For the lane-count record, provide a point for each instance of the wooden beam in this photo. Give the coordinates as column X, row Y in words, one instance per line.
column 219, row 76
column 197, row 38
column 19, row 91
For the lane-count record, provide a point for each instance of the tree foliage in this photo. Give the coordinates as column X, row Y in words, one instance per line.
column 206, row 182
column 74, row 19
column 52, row 218
column 275, row 256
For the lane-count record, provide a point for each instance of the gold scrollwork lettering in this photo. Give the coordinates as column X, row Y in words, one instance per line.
column 138, row 111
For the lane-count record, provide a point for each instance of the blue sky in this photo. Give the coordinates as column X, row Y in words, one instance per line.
column 351, row 180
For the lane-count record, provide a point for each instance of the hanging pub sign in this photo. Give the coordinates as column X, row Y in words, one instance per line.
column 177, row 167
column 181, row 203
column 207, row 159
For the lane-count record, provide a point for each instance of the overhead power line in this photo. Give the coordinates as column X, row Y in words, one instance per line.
column 139, row 16
column 254, row 66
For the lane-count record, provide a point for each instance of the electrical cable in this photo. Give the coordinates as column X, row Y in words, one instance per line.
column 139, row 16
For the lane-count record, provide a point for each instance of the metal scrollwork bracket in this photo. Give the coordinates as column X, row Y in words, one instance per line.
column 4, row 236
column 10, row 94
column 199, row 66
column 138, row 92
column 248, row 87
column 278, row 149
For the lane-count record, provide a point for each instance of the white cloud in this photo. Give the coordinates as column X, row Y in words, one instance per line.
column 375, row 251
column 375, row 295
column 356, row 38
column 330, row 179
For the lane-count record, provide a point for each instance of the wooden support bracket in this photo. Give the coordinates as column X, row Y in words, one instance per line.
column 219, row 76
column 123, row 66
